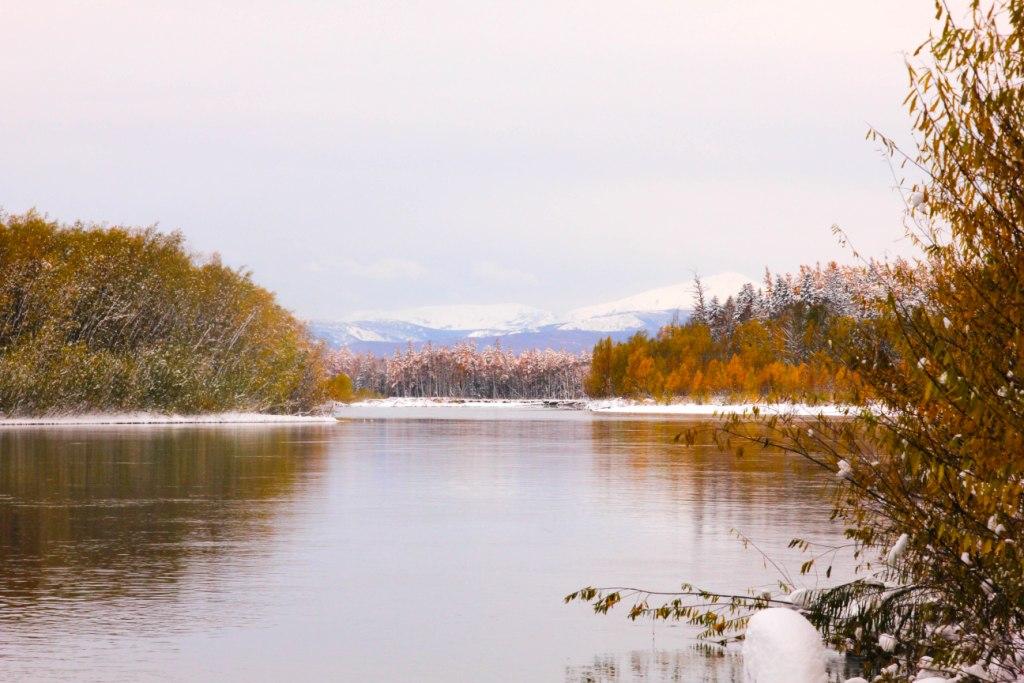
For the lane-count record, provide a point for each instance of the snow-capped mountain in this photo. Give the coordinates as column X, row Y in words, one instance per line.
column 521, row 327
column 633, row 312
column 500, row 318
column 376, row 330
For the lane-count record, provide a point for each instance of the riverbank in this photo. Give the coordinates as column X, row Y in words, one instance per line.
column 490, row 403
column 160, row 419
column 628, row 407
column 614, row 406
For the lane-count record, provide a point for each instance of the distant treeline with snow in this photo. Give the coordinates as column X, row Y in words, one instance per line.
column 119, row 319
column 465, row 371
column 792, row 339
column 779, row 341
column 835, row 290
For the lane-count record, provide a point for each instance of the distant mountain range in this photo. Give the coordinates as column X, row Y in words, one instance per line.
column 518, row 327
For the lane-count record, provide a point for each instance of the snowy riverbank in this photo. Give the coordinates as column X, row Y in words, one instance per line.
column 627, row 407
column 417, row 402
column 161, row 419
column 613, row 406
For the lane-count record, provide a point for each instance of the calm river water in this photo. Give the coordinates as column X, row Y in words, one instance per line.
column 420, row 545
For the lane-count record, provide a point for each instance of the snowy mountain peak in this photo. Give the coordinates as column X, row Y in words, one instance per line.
column 677, row 297
column 521, row 325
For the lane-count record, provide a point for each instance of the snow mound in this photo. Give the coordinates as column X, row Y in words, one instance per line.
column 781, row 646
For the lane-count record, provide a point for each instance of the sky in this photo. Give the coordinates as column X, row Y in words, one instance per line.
column 376, row 155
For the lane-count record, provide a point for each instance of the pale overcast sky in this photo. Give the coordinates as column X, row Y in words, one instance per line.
column 378, row 155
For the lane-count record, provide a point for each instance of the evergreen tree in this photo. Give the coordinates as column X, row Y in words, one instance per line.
column 700, row 311
column 746, row 304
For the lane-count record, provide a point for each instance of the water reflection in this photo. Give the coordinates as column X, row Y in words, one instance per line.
column 710, row 664
column 107, row 514
column 376, row 549
column 765, row 495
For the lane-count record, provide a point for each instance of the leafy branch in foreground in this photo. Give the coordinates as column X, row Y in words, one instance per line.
column 719, row 616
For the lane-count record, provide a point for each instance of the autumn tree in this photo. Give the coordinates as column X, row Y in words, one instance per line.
column 597, row 383
column 97, row 318
column 752, row 347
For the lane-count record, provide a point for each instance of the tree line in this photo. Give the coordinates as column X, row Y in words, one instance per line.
column 783, row 341
column 113, row 318
column 466, row 371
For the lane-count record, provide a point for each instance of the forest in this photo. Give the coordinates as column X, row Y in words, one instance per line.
column 96, row 318
column 787, row 341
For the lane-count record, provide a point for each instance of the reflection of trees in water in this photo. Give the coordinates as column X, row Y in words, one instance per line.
column 704, row 663
column 775, row 493
column 95, row 514
column 698, row 663
column 646, row 454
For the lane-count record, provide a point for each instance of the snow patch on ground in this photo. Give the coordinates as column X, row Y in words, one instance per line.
column 409, row 402
column 624, row 406
column 612, row 406
column 159, row 419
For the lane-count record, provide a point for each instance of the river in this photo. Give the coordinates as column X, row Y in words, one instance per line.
column 426, row 544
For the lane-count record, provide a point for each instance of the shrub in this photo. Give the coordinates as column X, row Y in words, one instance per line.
column 96, row 318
